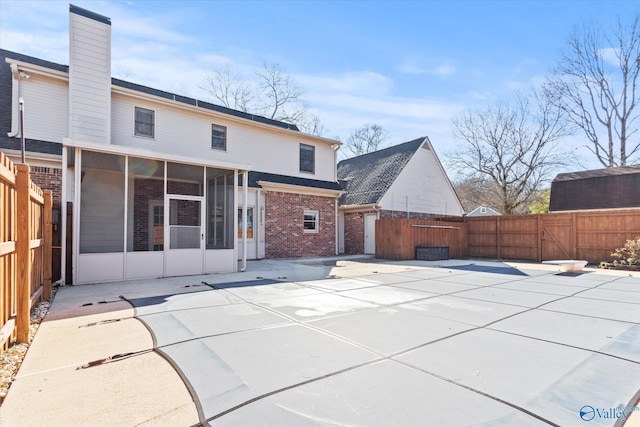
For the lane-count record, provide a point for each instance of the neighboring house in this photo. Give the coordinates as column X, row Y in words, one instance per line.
column 403, row 181
column 150, row 182
column 609, row 188
column 483, row 211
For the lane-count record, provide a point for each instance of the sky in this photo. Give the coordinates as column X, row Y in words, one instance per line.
column 409, row 66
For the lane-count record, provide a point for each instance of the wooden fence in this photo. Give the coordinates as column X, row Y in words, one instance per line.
column 588, row 235
column 25, row 249
column 396, row 239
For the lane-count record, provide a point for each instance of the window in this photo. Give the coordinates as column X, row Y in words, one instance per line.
column 310, row 221
column 307, row 158
column 218, row 137
column 145, row 122
column 249, row 223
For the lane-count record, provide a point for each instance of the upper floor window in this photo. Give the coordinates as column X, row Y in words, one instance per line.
column 307, row 158
column 145, row 122
column 218, row 137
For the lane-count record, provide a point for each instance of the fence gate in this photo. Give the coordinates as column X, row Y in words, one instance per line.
column 556, row 238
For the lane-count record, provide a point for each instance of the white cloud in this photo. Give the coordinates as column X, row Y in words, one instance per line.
column 364, row 82
column 444, row 69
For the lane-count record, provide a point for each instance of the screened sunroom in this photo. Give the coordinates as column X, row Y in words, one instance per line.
column 137, row 215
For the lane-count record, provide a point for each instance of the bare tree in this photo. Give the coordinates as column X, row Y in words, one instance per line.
column 228, row 88
column 511, row 144
column 596, row 84
column 272, row 93
column 365, row 139
column 477, row 191
column 282, row 98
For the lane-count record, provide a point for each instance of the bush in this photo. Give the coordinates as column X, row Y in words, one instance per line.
column 629, row 254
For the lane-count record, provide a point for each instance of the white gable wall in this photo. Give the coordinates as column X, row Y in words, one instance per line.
column 422, row 186
column 45, row 108
column 188, row 133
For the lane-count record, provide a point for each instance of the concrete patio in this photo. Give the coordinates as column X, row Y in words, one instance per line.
column 348, row 341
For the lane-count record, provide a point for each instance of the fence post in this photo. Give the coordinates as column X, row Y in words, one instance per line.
column 23, row 262
column 498, row 238
column 48, row 240
column 540, row 235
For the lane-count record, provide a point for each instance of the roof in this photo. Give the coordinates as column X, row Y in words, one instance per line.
column 155, row 92
column 483, row 211
column 255, row 177
column 367, row 178
column 597, row 173
column 609, row 188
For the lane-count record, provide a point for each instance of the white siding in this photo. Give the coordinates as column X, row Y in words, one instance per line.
column 45, row 108
column 89, row 79
column 188, row 133
column 422, row 186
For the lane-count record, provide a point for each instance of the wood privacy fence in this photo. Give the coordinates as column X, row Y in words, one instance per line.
column 396, row 239
column 587, row 235
column 25, row 249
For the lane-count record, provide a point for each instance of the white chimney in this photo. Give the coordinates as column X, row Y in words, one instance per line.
column 89, row 76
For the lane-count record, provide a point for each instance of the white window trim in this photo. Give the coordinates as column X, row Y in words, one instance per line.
column 313, row 149
column 317, row 221
column 226, row 140
column 135, row 134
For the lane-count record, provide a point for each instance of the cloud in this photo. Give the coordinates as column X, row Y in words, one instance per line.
column 362, row 82
column 444, row 69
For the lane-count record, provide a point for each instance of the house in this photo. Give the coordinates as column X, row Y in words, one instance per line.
column 155, row 184
column 403, row 181
column 609, row 188
column 483, row 211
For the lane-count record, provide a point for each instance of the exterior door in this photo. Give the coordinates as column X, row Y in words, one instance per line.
column 370, row 234
column 185, row 234
column 556, row 238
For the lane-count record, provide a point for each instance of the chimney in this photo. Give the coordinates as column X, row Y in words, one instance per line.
column 89, row 76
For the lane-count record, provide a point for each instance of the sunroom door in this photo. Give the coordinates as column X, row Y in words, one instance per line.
column 185, row 234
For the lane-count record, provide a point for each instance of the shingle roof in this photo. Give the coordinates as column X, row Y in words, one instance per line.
column 154, row 92
column 597, row 173
column 608, row 188
column 367, row 178
column 255, row 176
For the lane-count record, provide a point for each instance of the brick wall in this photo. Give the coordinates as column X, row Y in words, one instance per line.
column 285, row 236
column 48, row 179
column 354, row 232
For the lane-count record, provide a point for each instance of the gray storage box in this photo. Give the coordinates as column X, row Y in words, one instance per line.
column 432, row 253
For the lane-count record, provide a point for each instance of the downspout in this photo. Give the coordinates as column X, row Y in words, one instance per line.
column 336, row 226
column 15, row 100
column 245, row 197
column 257, row 223
column 336, row 147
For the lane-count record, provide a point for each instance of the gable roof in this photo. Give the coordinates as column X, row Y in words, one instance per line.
column 366, row 178
column 483, row 211
column 608, row 188
column 151, row 91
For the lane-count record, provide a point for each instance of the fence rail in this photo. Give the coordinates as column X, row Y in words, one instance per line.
column 25, row 249
column 588, row 235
